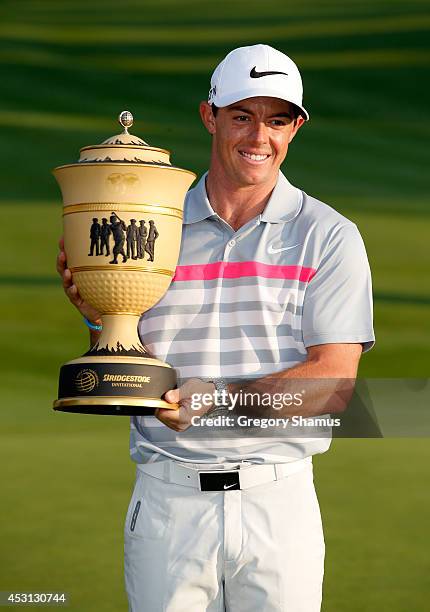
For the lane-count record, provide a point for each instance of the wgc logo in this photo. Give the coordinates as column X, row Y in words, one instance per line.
column 86, row 380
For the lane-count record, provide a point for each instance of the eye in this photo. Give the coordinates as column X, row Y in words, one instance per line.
column 242, row 118
column 278, row 122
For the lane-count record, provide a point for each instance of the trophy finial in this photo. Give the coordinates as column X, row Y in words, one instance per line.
column 126, row 120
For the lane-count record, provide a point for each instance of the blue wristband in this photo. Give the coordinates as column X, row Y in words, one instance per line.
column 92, row 326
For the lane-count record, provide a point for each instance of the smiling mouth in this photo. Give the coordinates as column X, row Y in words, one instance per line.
column 255, row 157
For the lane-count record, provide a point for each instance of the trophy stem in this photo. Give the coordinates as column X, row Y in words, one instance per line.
column 119, row 336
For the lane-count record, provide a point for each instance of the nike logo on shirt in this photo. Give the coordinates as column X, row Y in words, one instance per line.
column 272, row 251
column 256, row 75
column 229, row 486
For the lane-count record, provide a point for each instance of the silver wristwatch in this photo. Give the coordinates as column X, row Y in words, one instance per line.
column 221, row 391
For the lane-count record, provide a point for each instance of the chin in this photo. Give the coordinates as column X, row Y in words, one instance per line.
column 256, row 178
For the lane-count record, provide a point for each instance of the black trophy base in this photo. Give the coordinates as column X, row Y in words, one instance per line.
column 124, row 386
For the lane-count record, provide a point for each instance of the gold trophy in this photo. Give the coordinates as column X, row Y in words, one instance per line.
column 123, row 208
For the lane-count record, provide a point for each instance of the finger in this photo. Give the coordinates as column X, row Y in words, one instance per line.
column 167, row 414
column 61, row 262
column 172, row 419
column 71, row 292
column 162, row 413
column 61, row 243
column 172, row 396
column 73, row 295
column 67, row 278
column 163, row 416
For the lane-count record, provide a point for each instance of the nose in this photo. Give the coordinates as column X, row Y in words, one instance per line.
column 259, row 133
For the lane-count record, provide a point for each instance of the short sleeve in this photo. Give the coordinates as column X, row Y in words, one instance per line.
column 338, row 305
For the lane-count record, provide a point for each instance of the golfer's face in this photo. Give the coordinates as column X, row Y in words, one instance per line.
column 251, row 139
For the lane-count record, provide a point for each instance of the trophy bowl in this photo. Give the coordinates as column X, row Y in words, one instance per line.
column 123, row 208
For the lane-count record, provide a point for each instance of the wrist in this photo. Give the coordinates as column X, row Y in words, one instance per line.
column 94, row 326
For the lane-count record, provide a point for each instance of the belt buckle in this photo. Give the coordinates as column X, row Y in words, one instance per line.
column 219, row 480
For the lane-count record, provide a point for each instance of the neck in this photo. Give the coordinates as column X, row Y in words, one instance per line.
column 236, row 204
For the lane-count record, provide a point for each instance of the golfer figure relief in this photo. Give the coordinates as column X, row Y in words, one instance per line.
column 118, row 228
column 141, row 241
column 105, row 232
column 150, row 242
column 94, row 237
column 139, row 238
column 132, row 238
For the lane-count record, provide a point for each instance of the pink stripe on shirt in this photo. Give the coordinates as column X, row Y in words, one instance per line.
column 226, row 269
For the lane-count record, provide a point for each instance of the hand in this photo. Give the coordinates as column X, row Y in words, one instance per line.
column 180, row 420
column 71, row 290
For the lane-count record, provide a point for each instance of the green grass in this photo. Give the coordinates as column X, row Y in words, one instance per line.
column 373, row 505
column 67, row 68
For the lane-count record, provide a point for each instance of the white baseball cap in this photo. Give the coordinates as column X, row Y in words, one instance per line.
column 259, row 70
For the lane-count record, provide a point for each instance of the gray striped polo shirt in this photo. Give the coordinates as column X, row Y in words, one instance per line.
column 248, row 303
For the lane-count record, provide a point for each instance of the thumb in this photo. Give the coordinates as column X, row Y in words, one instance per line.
column 172, row 396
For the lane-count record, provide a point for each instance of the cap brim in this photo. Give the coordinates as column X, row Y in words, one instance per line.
column 223, row 101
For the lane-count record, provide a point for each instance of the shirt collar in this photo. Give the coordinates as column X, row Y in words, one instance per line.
column 284, row 203
column 197, row 205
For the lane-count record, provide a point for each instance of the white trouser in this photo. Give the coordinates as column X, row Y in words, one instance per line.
column 260, row 549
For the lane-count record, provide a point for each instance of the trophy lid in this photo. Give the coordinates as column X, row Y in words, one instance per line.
column 125, row 148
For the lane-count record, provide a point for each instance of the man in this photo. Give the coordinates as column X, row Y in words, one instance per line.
column 141, row 239
column 105, row 232
column 271, row 286
column 118, row 228
column 150, row 241
column 94, row 237
column 132, row 239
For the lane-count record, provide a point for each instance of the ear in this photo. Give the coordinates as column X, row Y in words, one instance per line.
column 207, row 117
column 298, row 124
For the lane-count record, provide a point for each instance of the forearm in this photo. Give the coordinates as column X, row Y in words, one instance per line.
column 314, row 387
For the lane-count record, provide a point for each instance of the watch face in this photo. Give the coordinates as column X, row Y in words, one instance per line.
column 221, row 394
column 220, row 385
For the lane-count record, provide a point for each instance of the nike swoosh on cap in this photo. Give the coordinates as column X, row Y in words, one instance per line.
column 256, row 75
column 272, row 251
column 229, row 486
